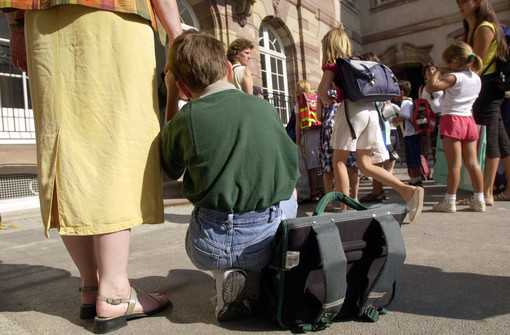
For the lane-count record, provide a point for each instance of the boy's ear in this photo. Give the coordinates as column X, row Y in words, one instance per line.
column 230, row 72
column 184, row 89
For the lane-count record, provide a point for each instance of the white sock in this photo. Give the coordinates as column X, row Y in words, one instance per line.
column 479, row 197
column 451, row 198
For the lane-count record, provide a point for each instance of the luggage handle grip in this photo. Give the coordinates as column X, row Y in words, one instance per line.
column 332, row 196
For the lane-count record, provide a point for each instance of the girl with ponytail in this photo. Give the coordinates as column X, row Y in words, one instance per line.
column 458, row 130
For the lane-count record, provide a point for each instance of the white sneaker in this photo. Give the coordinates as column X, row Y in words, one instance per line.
column 232, row 302
column 477, row 206
column 443, row 206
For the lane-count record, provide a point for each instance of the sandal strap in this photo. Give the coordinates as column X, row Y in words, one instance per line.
column 131, row 301
column 88, row 288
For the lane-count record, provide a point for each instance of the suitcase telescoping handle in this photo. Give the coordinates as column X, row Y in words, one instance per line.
column 332, row 196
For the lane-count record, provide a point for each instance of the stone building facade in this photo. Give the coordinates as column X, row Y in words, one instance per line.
column 405, row 34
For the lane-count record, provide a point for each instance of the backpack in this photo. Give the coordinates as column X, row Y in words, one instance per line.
column 307, row 103
column 423, row 118
column 366, row 80
column 502, row 67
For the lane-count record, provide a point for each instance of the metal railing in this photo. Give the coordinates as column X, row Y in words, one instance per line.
column 16, row 115
column 283, row 104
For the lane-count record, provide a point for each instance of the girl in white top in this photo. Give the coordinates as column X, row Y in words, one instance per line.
column 457, row 127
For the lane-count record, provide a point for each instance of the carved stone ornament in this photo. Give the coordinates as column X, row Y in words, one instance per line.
column 276, row 5
column 243, row 9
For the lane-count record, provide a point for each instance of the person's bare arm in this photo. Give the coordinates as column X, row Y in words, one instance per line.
column 435, row 84
column 168, row 14
column 324, row 86
column 483, row 39
column 247, row 81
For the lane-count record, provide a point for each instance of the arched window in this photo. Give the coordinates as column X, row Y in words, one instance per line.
column 274, row 71
column 188, row 17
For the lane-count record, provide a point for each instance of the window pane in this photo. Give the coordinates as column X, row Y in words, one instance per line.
column 11, row 92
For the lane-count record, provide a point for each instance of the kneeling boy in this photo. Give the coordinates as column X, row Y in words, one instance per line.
column 239, row 165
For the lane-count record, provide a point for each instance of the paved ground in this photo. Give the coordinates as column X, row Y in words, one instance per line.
column 456, row 279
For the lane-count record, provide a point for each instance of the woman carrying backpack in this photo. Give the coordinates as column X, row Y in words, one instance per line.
column 483, row 32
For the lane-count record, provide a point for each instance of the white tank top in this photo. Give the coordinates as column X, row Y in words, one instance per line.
column 237, row 78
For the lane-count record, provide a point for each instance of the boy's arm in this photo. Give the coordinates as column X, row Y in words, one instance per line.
column 172, row 97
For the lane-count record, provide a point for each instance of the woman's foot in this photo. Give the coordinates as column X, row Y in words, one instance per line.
column 106, row 324
column 88, row 302
column 144, row 303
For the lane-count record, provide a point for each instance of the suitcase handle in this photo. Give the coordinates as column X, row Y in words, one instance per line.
column 332, row 196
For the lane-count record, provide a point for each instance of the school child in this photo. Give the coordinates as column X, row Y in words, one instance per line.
column 308, row 141
column 365, row 121
column 240, row 169
column 412, row 139
column 457, row 127
column 329, row 107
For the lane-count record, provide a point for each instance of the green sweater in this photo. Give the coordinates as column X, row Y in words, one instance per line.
column 233, row 150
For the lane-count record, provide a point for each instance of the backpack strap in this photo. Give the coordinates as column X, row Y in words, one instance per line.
column 334, row 265
column 353, row 133
column 391, row 268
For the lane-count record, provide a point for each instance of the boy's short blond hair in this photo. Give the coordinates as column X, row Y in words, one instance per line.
column 197, row 60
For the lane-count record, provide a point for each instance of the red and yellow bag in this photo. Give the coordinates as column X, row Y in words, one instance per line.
column 307, row 103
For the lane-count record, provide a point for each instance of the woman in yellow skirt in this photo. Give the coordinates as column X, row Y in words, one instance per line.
column 92, row 72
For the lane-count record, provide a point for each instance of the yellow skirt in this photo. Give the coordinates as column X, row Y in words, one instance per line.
column 94, row 94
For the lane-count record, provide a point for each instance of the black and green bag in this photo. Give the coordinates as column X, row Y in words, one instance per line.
column 338, row 265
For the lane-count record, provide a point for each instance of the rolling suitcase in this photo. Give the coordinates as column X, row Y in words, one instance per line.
column 338, row 265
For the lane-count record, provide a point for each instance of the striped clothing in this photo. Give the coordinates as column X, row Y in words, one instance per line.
column 139, row 7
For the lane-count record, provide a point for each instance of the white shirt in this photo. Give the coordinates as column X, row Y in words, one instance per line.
column 407, row 110
column 459, row 99
column 435, row 99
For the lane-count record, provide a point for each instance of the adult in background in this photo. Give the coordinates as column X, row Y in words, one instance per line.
column 239, row 54
column 97, row 132
column 435, row 100
column 482, row 31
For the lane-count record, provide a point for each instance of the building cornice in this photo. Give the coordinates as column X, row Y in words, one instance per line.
column 423, row 26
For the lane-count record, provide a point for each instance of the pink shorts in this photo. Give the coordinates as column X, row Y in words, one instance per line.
column 462, row 128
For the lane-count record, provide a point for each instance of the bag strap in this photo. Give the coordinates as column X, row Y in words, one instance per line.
column 334, row 265
column 353, row 133
column 382, row 119
column 488, row 66
column 391, row 268
column 325, row 200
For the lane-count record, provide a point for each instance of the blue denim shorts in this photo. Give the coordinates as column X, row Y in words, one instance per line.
column 218, row 240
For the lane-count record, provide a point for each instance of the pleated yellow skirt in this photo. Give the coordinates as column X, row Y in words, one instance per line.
column 94, row 95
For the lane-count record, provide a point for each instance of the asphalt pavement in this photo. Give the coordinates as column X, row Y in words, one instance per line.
column 456, row 278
